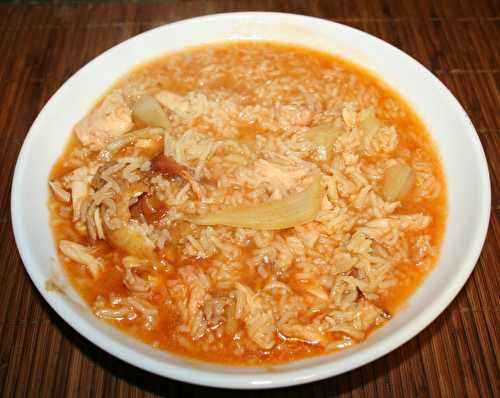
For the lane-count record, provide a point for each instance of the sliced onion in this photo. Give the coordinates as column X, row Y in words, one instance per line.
column 398, row 181
column 149, row 111
column 324, row 137
column 296, row 209
column 369, row 125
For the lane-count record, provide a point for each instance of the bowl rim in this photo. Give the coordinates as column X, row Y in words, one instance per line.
column 270, row 380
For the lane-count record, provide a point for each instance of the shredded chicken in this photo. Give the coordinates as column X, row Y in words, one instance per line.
column 307, row 334
column 79, row 191
column 149, row 312
column 81, row 254
column 134, row 282
column 260, row 324
column 111, row 119
column 60, row 193
column 195, row 103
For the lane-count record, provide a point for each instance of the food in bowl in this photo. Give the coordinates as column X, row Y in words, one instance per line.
column 248, row 203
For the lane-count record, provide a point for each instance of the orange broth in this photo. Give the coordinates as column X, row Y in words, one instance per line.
column 408, row 126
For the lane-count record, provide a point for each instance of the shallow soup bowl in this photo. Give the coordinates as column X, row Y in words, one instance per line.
column 453, row 133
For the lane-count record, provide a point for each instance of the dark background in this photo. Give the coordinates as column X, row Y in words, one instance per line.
column 42, row 43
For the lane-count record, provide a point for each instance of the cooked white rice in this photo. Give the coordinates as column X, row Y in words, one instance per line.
column 239, row 130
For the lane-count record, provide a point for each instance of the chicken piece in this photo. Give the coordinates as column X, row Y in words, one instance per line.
column 294, row 115
column 305, row 333
column 175, row 102
column 110, row 120
column 149, row 312
column 192, row 105
column 127, row 235
column 80, row 254
column 277, row 176
column 59, row 192
column 260, row 324
column 79, row 191
column 349, row 115
column 78, row 183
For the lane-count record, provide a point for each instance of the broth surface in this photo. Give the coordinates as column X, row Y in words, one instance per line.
column 241, row 116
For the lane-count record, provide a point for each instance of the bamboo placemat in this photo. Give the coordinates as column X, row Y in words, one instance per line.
column 42, row 43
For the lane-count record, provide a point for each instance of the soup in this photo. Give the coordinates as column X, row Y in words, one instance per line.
column 248, row 203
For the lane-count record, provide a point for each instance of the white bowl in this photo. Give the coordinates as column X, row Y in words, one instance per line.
column 462, row 155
